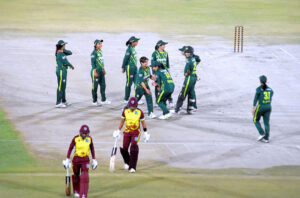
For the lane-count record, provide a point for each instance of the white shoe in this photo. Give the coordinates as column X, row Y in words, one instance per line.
column 132, row 170
column 60, row 105
column 152, row 115
column 162, row 117
column 169, row 115
column 141, row 102
column 172, row 111
column 76, row 194
column 260, row 137
column 264, row 140
column 125, row 102
column 155, row 105
column 96, row 104
column 126, row 166
column 192, row 109
column 105, row 102
column 67, row 103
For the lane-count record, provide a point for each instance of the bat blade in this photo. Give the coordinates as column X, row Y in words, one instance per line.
column 68, row 185
column 112, row 159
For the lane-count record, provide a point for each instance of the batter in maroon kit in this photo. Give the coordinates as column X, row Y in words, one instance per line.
column 81, row 162
column 133, row 116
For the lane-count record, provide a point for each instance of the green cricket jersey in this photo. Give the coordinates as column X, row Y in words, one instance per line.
column 191, row 67
column 143, row 75
column 130, row 57
column 97, row 60
column 263, row 96
column 62, row 61
column 161, row 57
column 164, row 80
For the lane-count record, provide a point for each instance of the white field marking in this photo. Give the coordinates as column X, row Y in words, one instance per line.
column 288, row 54
column 275, row 55
column 173, row 153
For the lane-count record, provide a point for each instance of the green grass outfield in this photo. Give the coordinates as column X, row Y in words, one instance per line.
column 24, row 175
column 206, row 17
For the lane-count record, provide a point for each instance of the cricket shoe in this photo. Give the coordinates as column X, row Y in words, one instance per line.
column 155, row 105
column 141, row 102
column 192, row 109
column 96, row 104
column 132, row 170
column 60, row 105
column 67, row 103
column 162, row 117
column 172, row 111
column 169, row 115
column 260, row 137
column 152, row 115
column 76, row 194
column 126, row 166
column 264, row 140
column 125, row 102
column 106, row 102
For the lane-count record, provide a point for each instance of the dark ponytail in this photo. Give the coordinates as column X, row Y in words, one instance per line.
column 128, row 42
column 264, row 86
column 58, row 47
column 156, row 47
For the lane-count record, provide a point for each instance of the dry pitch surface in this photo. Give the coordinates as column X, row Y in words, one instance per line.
column 220, row 135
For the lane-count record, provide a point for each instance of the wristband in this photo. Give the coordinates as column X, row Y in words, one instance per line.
column 145, row 129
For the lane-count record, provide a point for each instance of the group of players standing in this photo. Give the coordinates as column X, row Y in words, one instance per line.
column 160, row 74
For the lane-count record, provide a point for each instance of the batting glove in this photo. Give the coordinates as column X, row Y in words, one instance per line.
column 94, row 164
column 117, row 134
column 146, row 136
column 66, row 163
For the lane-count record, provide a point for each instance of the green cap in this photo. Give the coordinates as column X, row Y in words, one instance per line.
column 61, row 42
column 98, row 41
column 263, row 79
column 188, row 49
column 133, row 39
column 182, row 49
column 161, row 42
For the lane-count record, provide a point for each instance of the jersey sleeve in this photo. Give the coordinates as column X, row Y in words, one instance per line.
column 126, row 59
column 93, row 60
column 72, row 144
column 92, row 149
column 256, row 97
column 187, row 69
column 66, row 62
column 67, row 52
column 158, row 78
column 142, row 118
column 197, row 58
column 153, row 58
column 123, row 114
column 140, row 77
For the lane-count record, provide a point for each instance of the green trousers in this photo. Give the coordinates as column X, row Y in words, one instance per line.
column 188, row 89
column 163, row 96
column 130, row 78
column 100, row 80
column 265, row 112
column 62, row 83
column 140, row 92
column 157, row 94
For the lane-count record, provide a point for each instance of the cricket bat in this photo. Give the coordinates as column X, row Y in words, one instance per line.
column 68, row 183
column 113, row 157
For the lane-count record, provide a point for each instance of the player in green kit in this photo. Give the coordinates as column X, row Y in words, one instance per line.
column 130, row 65
column 98, row 74
column 263, row 97
column 188, row 89
column 141, row 85
column 161, row 55
column 165, row 85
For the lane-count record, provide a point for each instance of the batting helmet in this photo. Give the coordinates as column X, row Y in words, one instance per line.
column 133, row 102
column 84, row 129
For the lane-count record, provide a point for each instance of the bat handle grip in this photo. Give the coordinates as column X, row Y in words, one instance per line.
column 68, row 174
